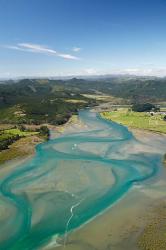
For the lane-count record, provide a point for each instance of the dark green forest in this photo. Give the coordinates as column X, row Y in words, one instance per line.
column 37, row 101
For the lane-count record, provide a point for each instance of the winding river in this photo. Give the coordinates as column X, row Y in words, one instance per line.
column 70, row 180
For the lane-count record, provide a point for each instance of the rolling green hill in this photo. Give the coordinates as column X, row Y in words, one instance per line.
column 37, row 101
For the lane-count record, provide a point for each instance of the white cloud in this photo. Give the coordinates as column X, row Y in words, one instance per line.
column 68, row 56
column 143, row 71
column 13, row 47
column 37, row 48
column 76, row 49
column 160, row 72
column 90, row 71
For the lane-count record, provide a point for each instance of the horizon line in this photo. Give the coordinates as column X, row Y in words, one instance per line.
column 21, row 77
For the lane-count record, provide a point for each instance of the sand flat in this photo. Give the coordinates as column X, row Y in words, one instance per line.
column 125, row 224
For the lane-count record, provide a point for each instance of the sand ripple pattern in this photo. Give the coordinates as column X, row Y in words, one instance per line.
column 70, row 180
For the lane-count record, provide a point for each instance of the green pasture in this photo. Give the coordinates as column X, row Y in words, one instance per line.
column 141, row 120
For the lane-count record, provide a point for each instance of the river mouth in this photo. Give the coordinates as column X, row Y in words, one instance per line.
column 70, row 180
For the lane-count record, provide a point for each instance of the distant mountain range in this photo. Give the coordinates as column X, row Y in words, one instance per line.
column 54, row 100
column 95, row 77
column 128, row 87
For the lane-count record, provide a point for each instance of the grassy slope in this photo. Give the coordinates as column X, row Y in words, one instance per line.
column 10, row 133
column 137, row 120
column 22, row 147
column 19, row 148
column 25, row 146
column 16, row 131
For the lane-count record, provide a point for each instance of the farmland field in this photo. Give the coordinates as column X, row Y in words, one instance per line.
column 141, row 120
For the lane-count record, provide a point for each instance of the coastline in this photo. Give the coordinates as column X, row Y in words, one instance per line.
column 25, row 147
column 140, row 133
column 136, row 120
column 21, row 149
column 145, row 135
column 126, row 224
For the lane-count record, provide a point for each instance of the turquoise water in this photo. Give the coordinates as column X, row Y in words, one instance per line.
column 69, row 181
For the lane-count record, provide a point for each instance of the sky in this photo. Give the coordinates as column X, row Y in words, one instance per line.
column 82, row 37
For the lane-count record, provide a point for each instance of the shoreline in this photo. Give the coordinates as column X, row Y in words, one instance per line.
column 122, row 224
column 140, row 132
column 25, row 147
column 144, row 130
column 133, row 121
column 58, row 130
column 106, row 231
column 21, row 149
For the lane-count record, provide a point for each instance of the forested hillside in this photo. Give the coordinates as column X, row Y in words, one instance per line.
column 39, row 101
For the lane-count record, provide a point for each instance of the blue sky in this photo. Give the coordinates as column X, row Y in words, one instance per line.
column 66, row 37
